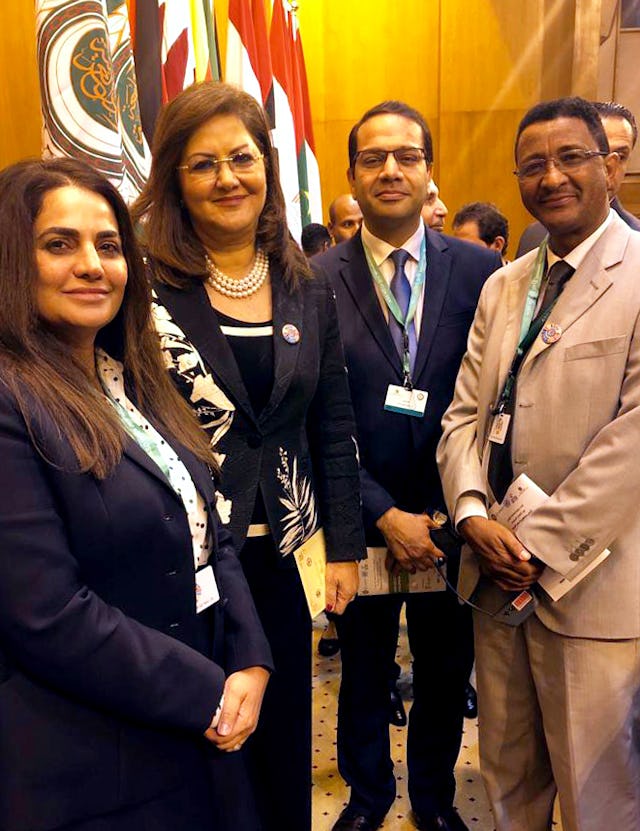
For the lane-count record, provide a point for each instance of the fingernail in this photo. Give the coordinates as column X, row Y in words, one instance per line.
column 329, row 607
column 524, row 554
column 223, row 729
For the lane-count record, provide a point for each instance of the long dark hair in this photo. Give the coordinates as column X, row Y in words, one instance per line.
column 168, row 234
column 36, row 364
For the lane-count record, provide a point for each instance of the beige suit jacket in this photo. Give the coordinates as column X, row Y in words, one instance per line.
column 576, row 431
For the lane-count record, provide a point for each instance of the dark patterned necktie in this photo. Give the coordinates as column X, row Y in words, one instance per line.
column 557, row 278
column 500, row 469
column 401, row 290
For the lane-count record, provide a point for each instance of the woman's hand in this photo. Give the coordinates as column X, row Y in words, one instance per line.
column 243, row 692
column 341, row 583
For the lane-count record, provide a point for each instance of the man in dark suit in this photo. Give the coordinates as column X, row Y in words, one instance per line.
column 406, row 297
column 622, row 133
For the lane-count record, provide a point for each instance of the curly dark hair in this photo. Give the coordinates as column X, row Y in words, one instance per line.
column 571, row 107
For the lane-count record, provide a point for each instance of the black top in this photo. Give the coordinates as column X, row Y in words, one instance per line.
column 252, row 347
column 300, row 450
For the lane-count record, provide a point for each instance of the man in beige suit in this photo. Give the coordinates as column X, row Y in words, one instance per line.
column 559, row 693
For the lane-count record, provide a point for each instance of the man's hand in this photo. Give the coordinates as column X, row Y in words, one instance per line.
column 502, row 556
column 341, row 583
column 243, row 692
column 408, row 540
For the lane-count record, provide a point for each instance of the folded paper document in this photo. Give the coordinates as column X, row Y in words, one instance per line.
column 523, row 497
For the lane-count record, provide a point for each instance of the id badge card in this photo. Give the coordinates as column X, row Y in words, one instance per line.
column 206, row 589
column 408, row 402
column 499, row 428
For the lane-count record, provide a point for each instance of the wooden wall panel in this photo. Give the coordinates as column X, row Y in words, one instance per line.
column 358, row 54
column 19, row 89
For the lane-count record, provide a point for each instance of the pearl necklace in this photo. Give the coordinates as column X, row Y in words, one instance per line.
column 245, row 287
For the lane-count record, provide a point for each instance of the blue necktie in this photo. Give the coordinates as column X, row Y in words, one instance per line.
column 401, row 290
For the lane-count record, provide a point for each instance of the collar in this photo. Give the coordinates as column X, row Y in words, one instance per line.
column 577, row 255
column 380, row 249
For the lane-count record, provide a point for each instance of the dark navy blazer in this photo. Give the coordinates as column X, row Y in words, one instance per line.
column 108, row 678
column 397, row 452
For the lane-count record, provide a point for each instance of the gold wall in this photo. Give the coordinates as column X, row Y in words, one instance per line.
column 20, row 121
column 471, row 66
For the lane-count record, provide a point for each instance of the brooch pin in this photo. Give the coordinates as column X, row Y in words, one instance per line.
column 551, row 332
column 290, row 333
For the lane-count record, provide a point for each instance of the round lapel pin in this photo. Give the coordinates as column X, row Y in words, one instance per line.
column 551, row 332
column 290, row 333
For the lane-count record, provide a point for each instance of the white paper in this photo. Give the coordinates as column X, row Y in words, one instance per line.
column 523, row 497
column 206, row 589
column 375, row 579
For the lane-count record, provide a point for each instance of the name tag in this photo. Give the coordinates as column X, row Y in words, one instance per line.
column 206, row 589
column 408, row 402
column 499, row 428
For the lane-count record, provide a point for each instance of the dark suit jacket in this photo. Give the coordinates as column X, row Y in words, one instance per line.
column 397, row 452
column 299, row 450
column 107, row 675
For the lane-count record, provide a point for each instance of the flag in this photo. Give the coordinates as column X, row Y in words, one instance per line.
column 284, row 133
column 248, row 53
column 212, row 40
column 298, row 122
column 189, row 48
column 178, row 54
column 88, row 89
column 313, row 171
column 204, row 41
column 144, row 17
column 241, row 68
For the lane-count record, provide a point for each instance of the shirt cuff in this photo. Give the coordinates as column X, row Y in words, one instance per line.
column 470, row 503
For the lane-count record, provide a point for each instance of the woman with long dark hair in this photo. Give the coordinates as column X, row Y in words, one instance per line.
column 128, row 637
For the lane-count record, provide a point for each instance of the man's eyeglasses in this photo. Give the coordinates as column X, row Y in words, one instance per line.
column 206, row 167
column 564, row 162
column 406, row 157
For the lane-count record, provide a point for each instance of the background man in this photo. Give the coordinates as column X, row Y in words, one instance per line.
column 557, row 692
column 390, row 158
column 482, row 224
column 434, row 211
column 345, row 218
column 622, row 133
column 315, row 239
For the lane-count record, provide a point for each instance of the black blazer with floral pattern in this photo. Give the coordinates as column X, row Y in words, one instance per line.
column 300, row 450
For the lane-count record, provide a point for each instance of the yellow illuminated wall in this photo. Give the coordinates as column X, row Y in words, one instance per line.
column 19, row 91
column 471, row 66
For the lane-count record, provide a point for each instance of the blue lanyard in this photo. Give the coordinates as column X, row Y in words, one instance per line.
column 392, row 303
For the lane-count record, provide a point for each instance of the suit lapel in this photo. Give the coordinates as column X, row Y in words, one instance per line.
column 588, row 284
column 516, row 297
column 191, row 310
column 359, row 283
column 435, row 290
column 197, row 470
column 288, row 309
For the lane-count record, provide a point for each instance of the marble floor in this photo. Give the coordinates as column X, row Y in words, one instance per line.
column 329, row 791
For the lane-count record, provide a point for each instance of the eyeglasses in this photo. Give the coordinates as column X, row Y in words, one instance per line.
column 206, row 167
column 564, row 162
column 406, row 157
